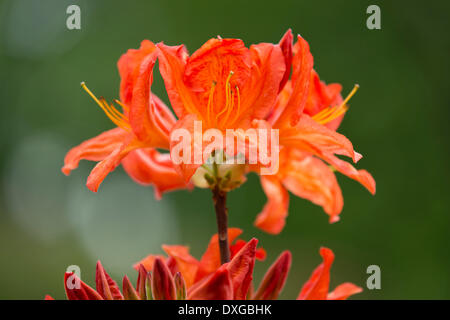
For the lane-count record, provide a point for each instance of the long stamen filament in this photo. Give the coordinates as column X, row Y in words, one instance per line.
column 336, row 114
column 83, row 85
column 331, row 113
column 118, row 118
column 324, row 113
column 112, row 110
column 236, row 116
column 230, row 108
column 351, row 94
column 228, row 96
column 124, row 107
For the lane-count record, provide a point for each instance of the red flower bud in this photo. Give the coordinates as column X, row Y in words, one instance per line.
column 275, row 278
column 163, row 286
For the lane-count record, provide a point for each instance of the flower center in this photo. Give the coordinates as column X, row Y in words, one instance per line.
column 232, row 102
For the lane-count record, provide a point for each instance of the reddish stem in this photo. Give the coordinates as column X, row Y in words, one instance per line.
column 220, row 199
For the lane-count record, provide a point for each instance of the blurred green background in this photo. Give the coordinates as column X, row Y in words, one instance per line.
column 398, row 120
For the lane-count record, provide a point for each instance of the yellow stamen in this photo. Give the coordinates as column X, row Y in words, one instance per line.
column 112, row 110
column 229, row 109
column 239, row 101
column 351, row 94
column 228, row 96
column 236, row 116
column 335, row 114
column 118, row 118
column 323, row 113
column 326, row 113
column 124, row 107
column 331, row 113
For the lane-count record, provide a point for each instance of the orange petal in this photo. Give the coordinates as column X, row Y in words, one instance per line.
column 129, row 65
column 217, row 286
column 273, row 216
column 172, row 63
column 149, row 167
column 302, row 65
column 95, row 149
column 260, row 93
column 162, row 115
column 280, row 103
column 261, row 254
column 310, row 178
column 149, row 117
column 239, row 244
column 322, row 96
column 185, row 160
column 257, row 150
column 314, row 103
column 210, row 260
column 286, row 47
column 140, row 102
column 104, row 167
column 275, row 278
column 317, row 139
column 109, row 148
column 362, row 176
column 309, row 131
column 214, row 60
column 212, row 63
column 316, row 288
column 172, row 265
column 186, row 263
column 142, row 110
column 241, row 269
column 148, row 262
column 343, row 291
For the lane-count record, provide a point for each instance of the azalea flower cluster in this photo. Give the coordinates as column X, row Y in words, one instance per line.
column 226, row 85
column 223, row 87
column 179, row 276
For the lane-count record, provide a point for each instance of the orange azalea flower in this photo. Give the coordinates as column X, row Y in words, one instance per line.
column 225, row 85
column 181, row 277
column 307, row 113
column 143, row 125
